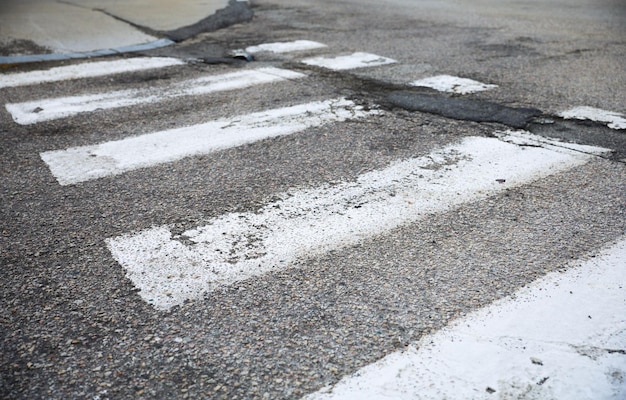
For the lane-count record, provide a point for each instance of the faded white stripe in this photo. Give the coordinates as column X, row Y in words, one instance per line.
column 285, row 47
column 356, row 60
column 79, row 164
column 453, row 84
column 86, row 70
column 238, row 246
column 32, row 112
column 561, row 337
column 614, row 120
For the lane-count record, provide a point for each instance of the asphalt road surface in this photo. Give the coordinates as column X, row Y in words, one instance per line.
column 182, row 223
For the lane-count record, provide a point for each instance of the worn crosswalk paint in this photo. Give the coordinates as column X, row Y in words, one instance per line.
column 453, row 84
column 614, row 120
column 79, row 164
column 562, row 337
column 169, row 269
column 35, row 111
column 352, row 61
column 86, row 70
column 285, row 47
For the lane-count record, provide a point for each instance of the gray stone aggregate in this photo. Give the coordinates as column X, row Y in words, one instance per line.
column 73, row 326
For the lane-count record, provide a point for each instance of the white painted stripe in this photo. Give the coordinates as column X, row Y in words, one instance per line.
column 356, row 60
column 453, row 84
column 523, row 138
column 32, row 112
column 238, row 246
column 614, row 120
column 562, row 337
column 86, row 70
column 285, row 47
column 79, row 164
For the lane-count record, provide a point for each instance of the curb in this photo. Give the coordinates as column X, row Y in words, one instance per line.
column 237, row 11
column 32, row 58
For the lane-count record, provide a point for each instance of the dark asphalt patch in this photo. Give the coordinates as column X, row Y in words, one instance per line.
column 573, row 131
column 464, row 109
column 236, row 12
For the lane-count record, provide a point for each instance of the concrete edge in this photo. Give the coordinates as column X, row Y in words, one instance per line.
column 237, row 11
column 32, row 58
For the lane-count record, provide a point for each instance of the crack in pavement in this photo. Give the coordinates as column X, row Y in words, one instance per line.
column 391, row 95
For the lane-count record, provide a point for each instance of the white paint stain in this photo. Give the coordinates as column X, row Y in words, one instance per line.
column 453, row 84
column 355, row 60
column 614, row 120
column 79, row 164
column 171, row 269
column 32, row 112
column 562, row 337
column 86, row 70
column 285, row 47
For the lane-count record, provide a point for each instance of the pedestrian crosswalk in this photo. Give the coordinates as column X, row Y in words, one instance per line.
column 87, row 70
column 352, row 61
column 308, row 221
column 285, row 47
column 238, row 246
column 453, row 84
column 32, row 112
column 517, row 348
column 172, row 267
column 614, row 120
column 79, row 164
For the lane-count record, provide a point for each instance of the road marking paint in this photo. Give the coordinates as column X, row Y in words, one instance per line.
column 614, row 120
column 79, row 164
column 32, row 112
column 356, row 60
column 453, row 84
column 170, row 269
column 562, row 337
column 523, row 138
column 86, row 70
column 285, row 47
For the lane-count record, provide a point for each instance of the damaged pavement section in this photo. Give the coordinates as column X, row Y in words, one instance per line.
column 464, row 109
column 530, row 119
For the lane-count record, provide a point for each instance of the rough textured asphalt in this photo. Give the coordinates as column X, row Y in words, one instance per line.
column 73, row 326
